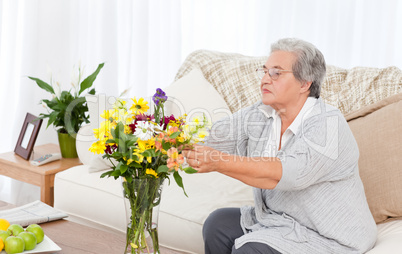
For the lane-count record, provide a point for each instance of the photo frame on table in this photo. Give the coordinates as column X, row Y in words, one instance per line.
column 28, row 135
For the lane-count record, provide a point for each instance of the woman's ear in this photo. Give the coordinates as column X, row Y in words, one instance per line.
column 305, row 87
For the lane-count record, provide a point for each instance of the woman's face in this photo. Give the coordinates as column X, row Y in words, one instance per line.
column 284, row 91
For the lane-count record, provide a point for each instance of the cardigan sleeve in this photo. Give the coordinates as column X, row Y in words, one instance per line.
column 231, row 134
column 324, row 149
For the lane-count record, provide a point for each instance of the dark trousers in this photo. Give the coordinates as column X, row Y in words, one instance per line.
column 221, row 229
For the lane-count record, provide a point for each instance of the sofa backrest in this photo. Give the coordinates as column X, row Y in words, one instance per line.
column 233, row 76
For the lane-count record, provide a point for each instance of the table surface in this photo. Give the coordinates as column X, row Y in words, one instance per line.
column 14, row 166
column 50, row 168
column 74, row 238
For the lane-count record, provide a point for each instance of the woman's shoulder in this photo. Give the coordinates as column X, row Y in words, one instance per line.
column 251, row 110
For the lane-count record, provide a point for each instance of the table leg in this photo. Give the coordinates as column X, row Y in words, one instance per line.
column 46, row 193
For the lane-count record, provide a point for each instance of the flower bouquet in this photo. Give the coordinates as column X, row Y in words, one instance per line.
column 144, row 150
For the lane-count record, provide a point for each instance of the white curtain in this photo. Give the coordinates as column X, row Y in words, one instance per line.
column 143, row 43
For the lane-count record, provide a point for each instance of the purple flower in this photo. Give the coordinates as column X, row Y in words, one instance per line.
column 159, row 97
column 164, row 122
column 140, row 117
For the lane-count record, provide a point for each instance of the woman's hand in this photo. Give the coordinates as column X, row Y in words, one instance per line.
column 204, row 159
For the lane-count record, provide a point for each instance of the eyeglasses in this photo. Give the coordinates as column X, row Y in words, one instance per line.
column 274, row 73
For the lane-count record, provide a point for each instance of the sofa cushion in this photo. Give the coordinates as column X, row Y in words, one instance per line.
column 353, row 89
column 90, row 198
column 377, row 129
column 181, row 218
column 194, row 95
column 388, row 238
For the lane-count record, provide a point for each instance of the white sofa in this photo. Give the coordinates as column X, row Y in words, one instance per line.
column 220, row 83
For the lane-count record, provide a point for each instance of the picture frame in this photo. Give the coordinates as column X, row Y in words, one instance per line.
column 29, row 133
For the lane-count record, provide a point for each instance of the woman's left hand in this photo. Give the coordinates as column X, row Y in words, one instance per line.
column 203, row 158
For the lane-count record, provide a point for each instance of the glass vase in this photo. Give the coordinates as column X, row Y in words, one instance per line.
column 142, row 199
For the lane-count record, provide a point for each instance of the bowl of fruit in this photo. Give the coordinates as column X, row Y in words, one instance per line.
column 16, row 239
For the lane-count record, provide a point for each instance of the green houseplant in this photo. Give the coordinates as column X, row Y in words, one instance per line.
column 67, row 110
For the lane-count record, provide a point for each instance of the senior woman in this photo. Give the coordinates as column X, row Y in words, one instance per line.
column 302, row 160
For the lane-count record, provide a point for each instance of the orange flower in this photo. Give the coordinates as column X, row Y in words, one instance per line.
column 175, row 159
column 171, row 130
column 158, row 142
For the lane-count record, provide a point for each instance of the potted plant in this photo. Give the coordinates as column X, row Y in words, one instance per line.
column 67, row 110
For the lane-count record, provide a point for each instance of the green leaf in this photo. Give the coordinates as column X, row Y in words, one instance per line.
column 166, row 145
column 190, row 170
column 131, row 140
column 87, row 83
column 123, row 168
column 108, row 174
column 175, row 134
column 179, row 181
column 92, row 91
column 162, row 168
column 129, row 179
column 52, row 118
column 149, row 153
column 43, row 85
column 115, row 173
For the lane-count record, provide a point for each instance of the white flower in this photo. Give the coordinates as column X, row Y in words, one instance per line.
column 144, row 130
column 119, row 104
column 57, row 90
column 76, row 76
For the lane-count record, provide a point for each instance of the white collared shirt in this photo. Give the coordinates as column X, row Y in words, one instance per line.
column 272, row 147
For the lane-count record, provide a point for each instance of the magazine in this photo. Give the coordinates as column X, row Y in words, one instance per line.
column 33, row 213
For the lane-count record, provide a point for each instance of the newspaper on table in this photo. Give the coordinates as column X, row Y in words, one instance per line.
column 33, row 213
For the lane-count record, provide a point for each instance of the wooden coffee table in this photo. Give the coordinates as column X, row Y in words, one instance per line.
column 74, row 238
column 16, row 167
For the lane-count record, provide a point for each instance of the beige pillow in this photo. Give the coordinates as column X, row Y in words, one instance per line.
column 358, row 87
column 194, row 95
column 378, row 131
column 85, row 137
column 232, row 75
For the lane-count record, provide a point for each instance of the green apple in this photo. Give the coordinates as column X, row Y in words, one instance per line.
column 15, row 229
column 37, row 231
column 14, row 244
column 29, row 240
column 4, row 235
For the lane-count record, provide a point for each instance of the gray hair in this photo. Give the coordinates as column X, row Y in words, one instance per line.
column 310, row 63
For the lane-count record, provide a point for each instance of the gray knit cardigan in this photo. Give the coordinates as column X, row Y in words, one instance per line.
column 319, row 205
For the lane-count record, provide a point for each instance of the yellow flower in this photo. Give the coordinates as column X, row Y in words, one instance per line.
column 107, row 114
column 127, row 129
column 181, row 138
column 139, row 155
column 128, row 161
column 150, row 171
column 98, row 147
column 202, row 134
column 140, row 106
column 104, row 131
column 146, row 144
column 196, row 120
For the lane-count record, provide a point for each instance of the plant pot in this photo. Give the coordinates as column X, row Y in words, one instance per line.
column 142, row 199
column 67, row 145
